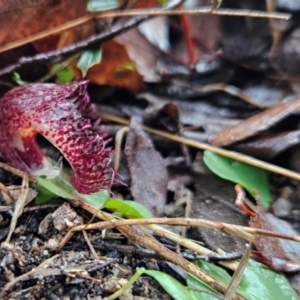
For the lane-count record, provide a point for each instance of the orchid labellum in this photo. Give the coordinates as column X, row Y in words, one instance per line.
column 55, row 112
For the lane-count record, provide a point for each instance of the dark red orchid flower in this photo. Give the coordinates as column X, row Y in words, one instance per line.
column 55, row 112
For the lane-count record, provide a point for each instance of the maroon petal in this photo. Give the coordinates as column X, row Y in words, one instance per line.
column 54, row 111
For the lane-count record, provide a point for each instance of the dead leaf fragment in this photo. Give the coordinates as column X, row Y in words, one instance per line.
column 149, row 177
column 27, row 19
column 279, row 255
column 269, row 146
column 256, row 124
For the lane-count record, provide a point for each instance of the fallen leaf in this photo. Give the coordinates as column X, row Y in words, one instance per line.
column 268, row 146
column 24, row 19
column 277, row 254
column 256, row 124
column 164, row 117
column 149, row 177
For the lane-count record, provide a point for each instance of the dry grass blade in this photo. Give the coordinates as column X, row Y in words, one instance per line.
column 203, row 146
column 204, row 10
column 149, row 12
column 229, row 228
column 46, row 33
column 18, row 207
column 189, row 244
column 17, row 172
column 238, row 274
column 118, row 143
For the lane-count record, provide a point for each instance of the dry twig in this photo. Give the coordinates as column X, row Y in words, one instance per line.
column 152, row 244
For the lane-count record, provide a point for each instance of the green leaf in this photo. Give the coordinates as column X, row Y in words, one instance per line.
column 54, row 188
column 102, row 5
column 172, row 286
column 44, row 195
column 58, row 188
column 63, row 72
column 200, row 289
column 129, row 209
column 258, row 282
column 97, row 200
column 88, row 59
column 216, row 272
column 251, row 178
column 17, row 79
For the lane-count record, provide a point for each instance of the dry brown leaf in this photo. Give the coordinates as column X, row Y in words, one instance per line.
column 255, row 124
column 278, row 254
column 25, row 18
column 268, row 146
column 149, row 177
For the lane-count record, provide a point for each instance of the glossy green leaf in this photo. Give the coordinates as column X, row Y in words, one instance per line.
column 258, row 282
column 172, row 286
column 88, row 59
column 129, row 209
column 63, row 73
column 251, row 178
column 102, row 5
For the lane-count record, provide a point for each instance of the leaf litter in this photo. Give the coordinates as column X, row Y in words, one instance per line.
column 196, row 87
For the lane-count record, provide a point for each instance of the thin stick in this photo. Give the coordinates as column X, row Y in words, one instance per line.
column 45, row 33
column 92, row 249
column 17, row 172
column 204, row 10
column 186, row 222
column 233, row 229
column 118, row 143
column 150, row 12
column 57, row 55
column 238, row 274
column 189, row 244
column 140, row 238
column 203, row 146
